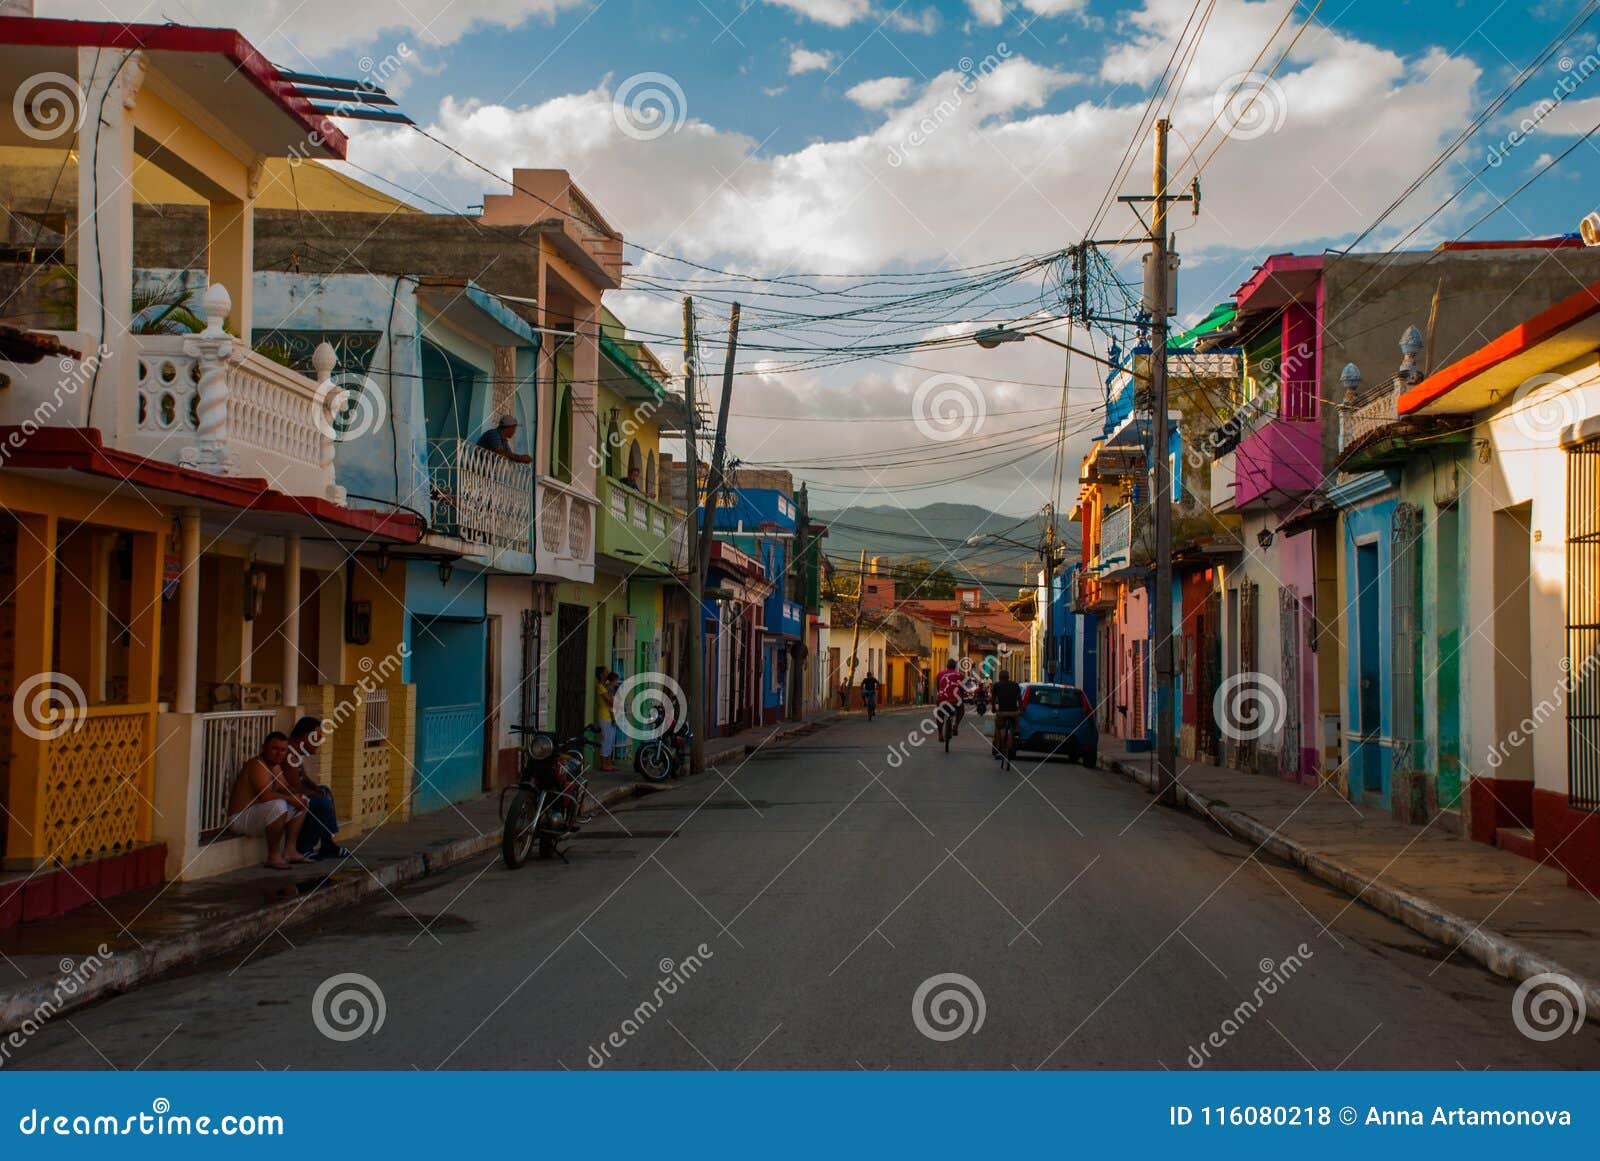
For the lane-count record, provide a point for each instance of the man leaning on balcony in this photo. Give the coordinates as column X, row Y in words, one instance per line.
column 498, row 440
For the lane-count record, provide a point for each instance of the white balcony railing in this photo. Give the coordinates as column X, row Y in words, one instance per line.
column 564, row 549
column 1368, row 415
column 227, row 741
column 205, row 401
column 480, row 496
column 1116, row 538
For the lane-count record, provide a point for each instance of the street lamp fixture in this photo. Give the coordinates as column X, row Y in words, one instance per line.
column 991, row 337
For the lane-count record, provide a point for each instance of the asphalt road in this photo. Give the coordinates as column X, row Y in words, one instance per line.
column 796, row 911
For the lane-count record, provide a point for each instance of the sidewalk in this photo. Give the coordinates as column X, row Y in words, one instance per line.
column 1515, row 917
column 53, row 965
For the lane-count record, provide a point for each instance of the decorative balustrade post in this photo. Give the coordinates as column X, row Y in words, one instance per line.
column 331, row 402
column 211, row 349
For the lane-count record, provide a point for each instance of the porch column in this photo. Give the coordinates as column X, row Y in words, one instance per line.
column 188, row 610
column 109, row 81
column 230, row 248
column 585, row 376
column 32, row 662
column 291, row 619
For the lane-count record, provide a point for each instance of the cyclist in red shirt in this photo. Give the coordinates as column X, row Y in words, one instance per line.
column 951, row 695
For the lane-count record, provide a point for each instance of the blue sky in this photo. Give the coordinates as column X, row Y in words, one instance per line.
column 852, row 136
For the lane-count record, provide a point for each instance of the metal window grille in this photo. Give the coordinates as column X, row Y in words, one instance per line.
column 1583, row 625
column 1289, row 666
column 1248, row 660
column 1405, row 578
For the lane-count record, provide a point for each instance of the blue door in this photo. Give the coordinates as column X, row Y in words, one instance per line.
column 1368, row 767
column 448, row 659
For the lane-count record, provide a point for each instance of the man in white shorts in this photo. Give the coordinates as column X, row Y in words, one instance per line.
column 262, row 806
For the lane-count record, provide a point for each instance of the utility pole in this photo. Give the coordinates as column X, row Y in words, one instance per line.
column 855, row 642
column 697, row 587
column 1047, row 553
column 708, row 511
column 1166, row 740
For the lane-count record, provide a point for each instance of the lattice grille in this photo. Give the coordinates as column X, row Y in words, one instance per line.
column 95, row 787
column 372, row 787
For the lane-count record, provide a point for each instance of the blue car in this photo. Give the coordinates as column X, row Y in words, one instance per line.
column 1058, row 719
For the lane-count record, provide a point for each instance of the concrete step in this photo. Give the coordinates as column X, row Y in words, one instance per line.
column 1516, row 839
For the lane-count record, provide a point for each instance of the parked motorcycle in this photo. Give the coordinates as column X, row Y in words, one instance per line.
column 666, row 755
column 547, row 801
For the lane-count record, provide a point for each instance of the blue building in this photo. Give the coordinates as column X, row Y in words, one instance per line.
column 758, row 515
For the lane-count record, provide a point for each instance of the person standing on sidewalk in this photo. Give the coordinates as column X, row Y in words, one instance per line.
column 606, row 712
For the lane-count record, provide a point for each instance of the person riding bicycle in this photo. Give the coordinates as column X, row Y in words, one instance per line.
column 951, row 694
column 1007, row 709
column 869, row 694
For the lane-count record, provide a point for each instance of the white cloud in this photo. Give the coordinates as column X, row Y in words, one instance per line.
column 1054, row 7
column 880, row 92
column 804, row 60
column 987, row 11
column 294, row 33
column 835, row 13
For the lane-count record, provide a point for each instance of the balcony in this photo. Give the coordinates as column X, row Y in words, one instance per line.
column 204, row 401
column 1092, row 595
column 1279, row 458
column 480, row 497
column 1373, row 434
column 784, row 618
column 642, row 534
column 1116, row 540
column 564, row 550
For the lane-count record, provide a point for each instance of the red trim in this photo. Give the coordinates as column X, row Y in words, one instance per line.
column 1275, row 265
column 80, row 449
column 52, row 33
column 1562, row 242
column 1517, row 341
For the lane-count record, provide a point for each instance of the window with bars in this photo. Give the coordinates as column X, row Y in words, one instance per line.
column 1583, row 625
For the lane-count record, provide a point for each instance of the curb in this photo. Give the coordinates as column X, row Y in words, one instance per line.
column 37, row 1001
column 1503, row 956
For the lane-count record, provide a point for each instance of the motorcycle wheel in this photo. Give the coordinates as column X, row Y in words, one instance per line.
column 654, row 761
column 521, row 830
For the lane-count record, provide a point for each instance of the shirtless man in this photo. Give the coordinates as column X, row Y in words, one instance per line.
column 262, row 805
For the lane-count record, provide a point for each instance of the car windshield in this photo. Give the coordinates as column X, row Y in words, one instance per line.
column 1055, row 697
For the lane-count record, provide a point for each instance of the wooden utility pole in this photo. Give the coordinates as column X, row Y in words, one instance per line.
column 855, row 642
column 1166, row 732
column 696, row 693
column 703, row 536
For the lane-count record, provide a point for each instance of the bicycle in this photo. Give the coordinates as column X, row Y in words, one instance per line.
column 949, row 716
column 1005, row 738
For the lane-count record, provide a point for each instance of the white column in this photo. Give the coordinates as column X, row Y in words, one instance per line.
column 188, row 609
column 109, row 82
column 291, row 619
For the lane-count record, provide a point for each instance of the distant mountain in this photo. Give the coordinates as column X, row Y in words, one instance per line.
column 939, row 533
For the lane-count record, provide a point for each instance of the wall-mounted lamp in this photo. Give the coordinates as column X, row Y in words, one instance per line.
column 1264, row 538
column 255, row 589
column 446, row 567
column 383, row 559
column 1483, row 451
